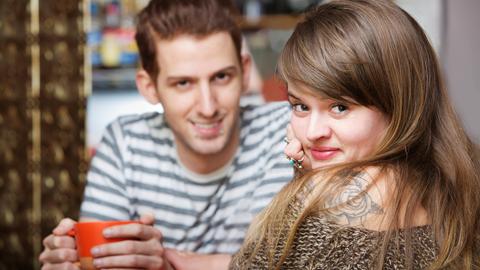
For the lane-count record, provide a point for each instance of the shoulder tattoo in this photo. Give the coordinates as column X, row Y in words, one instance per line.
column 354, row 204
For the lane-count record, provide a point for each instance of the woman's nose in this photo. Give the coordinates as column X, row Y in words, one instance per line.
column 318, row 127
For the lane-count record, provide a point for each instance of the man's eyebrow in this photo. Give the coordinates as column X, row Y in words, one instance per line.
column 178, row 78
column 186, row 77
column 226, row 69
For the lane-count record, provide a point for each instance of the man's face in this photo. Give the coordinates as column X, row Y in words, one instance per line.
column 199, row 85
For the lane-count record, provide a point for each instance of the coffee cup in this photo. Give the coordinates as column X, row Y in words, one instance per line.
column 90, row 234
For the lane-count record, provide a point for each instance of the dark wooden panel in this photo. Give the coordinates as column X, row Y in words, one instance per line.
column 42, row 123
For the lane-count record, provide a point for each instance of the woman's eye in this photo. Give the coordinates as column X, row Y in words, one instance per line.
column 339, row 108
column 300, row 107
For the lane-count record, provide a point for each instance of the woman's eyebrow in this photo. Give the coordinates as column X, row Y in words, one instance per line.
column 292, row 95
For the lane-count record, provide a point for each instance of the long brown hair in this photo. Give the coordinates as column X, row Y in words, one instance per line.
column 373, row 52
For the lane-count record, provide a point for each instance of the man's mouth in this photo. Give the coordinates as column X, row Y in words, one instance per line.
column 208, row 130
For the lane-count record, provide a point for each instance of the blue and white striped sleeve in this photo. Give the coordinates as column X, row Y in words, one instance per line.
column 105, row 196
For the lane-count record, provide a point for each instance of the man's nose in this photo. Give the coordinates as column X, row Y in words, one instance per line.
column 318, row 127
column 207, row 102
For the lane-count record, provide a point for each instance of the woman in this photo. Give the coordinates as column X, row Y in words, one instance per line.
column 390, row 179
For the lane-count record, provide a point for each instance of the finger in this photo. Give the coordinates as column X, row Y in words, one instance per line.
column 134, row 230
column 290, row 134
column 61, row 266
column 48, row 241
column 58, row 256
column 147, row 219
column 54, row 242
column 294, row 150
column 179, row 260
column 151, row 247
column 64, row 226
column 130, row 261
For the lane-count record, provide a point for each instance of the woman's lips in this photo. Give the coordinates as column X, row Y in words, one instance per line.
column 324, row 153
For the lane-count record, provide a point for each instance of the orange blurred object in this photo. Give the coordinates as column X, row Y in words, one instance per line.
column 274, row 89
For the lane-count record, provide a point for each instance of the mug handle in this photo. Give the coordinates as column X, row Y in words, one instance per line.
column 71, row 232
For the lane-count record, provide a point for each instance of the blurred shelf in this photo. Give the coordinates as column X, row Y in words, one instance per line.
column 114, row 79
column 280, row 21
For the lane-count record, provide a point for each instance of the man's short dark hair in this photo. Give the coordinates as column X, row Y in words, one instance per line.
column 166, row 19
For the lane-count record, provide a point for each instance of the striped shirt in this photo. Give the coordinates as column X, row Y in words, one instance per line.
column 136, row 170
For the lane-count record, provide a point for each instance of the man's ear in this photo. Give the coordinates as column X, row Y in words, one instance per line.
column 146, row 87
column 246, row 68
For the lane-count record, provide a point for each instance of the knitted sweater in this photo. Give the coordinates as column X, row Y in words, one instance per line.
column 320, row 244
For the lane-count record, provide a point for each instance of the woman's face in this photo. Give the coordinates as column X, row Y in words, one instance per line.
column 331, row 131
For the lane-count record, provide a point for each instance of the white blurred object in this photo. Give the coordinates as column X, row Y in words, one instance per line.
column 298, row 5
column 253, row 11
column 278, row 38
column 428, row 13
column 106, row 106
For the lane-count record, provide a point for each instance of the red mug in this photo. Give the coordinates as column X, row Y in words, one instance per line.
column 90, row 234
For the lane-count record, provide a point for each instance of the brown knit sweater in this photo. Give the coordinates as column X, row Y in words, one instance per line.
column 320, row 244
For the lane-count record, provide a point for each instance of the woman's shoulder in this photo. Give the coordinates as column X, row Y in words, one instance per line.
column 364, row 200
column 315, row 226
column 324, row 243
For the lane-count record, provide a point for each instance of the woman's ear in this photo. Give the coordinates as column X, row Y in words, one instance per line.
column 146, row 86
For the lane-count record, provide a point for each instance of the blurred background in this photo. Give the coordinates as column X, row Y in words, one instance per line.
column 67, row 69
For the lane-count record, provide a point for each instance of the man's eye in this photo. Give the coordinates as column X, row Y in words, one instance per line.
column 300, row 107
column 182, row 84
column 221, row 77
column 339, row 108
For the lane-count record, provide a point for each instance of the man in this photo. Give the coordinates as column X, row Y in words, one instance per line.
column 200, row 171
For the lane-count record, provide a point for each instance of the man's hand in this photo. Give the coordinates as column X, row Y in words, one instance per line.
column 144, row 251
column 59, row 248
